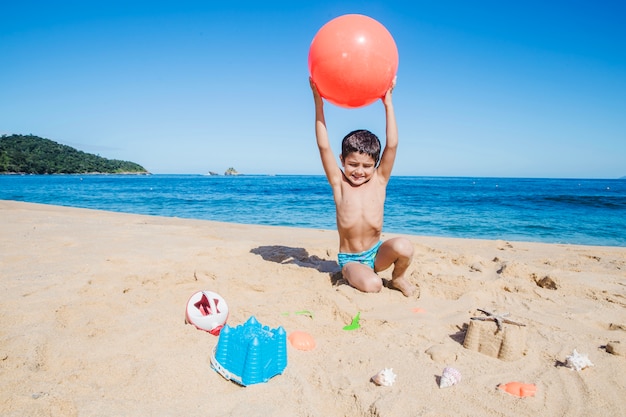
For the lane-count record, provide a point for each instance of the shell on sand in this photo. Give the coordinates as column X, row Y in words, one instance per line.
column 386, row 377
column 449, row 376
column 577, row 361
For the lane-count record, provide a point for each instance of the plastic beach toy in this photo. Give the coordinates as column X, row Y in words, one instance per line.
column 301, row 340
column 300, row 313
column 207, row 311
column 250, row 353
column 355, row 322
column 519, row 389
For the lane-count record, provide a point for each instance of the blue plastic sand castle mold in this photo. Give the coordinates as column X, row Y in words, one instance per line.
column 250, row 353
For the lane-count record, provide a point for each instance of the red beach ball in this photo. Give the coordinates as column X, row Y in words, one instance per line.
column 353, row 60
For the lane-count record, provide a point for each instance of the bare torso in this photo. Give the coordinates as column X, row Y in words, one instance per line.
column 360, row 214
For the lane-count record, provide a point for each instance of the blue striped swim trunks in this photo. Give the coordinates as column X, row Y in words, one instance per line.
column 367, row 257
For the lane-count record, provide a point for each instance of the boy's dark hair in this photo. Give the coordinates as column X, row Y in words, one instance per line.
column 361, row 141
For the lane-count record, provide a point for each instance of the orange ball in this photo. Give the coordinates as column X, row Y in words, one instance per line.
column 353, row 60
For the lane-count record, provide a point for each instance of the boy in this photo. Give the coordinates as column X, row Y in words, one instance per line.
column 359, row 191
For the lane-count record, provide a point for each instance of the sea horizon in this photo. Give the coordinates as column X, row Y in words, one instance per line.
column 304, row 175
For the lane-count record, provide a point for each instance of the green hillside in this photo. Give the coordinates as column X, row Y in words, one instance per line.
column 30, row 154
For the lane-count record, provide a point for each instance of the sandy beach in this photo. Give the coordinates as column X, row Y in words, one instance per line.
column 93, row 321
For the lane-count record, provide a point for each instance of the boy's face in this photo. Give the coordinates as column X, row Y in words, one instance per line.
column 358, row 167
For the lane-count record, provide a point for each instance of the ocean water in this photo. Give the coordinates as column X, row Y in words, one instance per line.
column 574, row 211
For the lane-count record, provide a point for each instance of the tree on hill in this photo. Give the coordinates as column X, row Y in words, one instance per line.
column 30, row 154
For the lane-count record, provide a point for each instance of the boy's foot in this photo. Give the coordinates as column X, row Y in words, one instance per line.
column 403, row 286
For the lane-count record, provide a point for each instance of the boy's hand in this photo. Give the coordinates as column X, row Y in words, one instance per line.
column 387, row 98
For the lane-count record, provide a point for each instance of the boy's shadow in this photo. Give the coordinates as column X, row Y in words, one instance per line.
column 300, row 257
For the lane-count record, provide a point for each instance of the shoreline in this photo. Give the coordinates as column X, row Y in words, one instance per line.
column 93, row 314
column 385, row 234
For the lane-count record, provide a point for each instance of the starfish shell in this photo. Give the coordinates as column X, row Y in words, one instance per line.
column 577, row 361
column 498, row 318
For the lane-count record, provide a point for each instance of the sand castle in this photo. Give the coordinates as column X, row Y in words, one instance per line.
column 489, row 335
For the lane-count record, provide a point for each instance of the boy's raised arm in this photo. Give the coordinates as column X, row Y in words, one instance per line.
column 391, row 145
column 332, row 170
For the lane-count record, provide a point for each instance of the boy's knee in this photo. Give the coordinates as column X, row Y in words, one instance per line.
column 362, row 278
column 404, row 248
column 373, row 285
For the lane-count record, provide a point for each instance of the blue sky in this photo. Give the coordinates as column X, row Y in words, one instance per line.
column 485, row 88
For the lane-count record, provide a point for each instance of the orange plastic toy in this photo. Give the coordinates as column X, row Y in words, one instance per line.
column 353, row 60
column 519, row 389
column 301, row 340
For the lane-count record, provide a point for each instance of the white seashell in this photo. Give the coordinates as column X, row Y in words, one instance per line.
column 449, row 376
column 386, row 377
column 577, row 361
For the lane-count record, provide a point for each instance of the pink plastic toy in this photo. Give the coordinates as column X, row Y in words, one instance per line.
column 207, row 311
